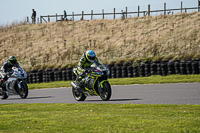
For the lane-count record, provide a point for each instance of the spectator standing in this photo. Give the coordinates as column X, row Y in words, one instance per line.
column 65, row 15
column 33, row 16
column 123, row 15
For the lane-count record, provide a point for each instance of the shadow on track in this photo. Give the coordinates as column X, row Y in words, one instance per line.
column 115, row 100
column 29, row 98
column 39, row 97
column 125, row 99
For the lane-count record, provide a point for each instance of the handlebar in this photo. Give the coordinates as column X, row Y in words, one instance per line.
column 89, row 69
column 9, row 72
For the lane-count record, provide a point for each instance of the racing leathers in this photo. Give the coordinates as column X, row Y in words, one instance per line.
column 82, row 68
column 6, row 67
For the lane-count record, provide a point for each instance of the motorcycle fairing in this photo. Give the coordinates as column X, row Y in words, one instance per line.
column 91, row 90
column 10, row 83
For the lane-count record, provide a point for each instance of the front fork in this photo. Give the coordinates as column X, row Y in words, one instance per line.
column 19, row 84
column 99, row 86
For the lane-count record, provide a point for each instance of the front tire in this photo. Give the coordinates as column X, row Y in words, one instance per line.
column 23, row 91
column 105, row 94
column 78, row 96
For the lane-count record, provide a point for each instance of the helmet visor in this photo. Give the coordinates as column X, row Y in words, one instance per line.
column 91, row 58
column 13, row 61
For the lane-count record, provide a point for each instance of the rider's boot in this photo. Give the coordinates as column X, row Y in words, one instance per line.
column 3, row 88
column 79, row 84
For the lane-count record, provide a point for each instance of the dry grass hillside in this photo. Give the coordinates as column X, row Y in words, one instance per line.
column 61, row 44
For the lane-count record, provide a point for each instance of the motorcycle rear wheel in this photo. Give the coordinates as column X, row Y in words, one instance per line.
column 105, row 94
column 78, row 96
column 23, row 92
column 3, row 94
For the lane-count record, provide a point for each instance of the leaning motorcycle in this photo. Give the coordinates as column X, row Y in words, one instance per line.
column 15, row 84
column 95, row 83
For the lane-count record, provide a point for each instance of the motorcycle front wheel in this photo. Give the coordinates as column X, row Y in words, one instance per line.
column 23, row 91
column 78, row 96
column 105, row 93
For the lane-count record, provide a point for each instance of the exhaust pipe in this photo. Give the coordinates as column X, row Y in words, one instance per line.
column 73, row 84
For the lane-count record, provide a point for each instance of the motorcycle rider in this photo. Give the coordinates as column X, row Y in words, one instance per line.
column 87, row 59
column 7, row 65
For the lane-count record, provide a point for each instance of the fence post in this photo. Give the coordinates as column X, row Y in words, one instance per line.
column 48, row 18
column 198, row 5
column 56, row 17
column 114, row 14
column 41, row 19
column 73, row 16
column 164, row 9
column 27, row 20
column 149, row 10
column 91, row 14
column 126, row 12
column 138, row 11
column 82, row 15
column 181, row 6
column 103, row 13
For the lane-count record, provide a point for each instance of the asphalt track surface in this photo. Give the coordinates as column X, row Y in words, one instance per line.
column 184, row 93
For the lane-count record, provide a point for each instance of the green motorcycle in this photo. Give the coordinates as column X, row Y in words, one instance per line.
column 95, row 83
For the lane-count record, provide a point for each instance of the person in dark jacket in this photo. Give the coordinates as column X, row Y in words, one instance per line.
column 87, row 59
column 33, row 16
column 7, row 66
column 65, row 15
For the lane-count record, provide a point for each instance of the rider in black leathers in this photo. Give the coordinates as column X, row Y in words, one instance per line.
column 7, row 65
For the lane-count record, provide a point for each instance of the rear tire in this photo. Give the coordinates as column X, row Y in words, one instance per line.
column 3, row 94
column 78, row 96
column 23, row 92
column 106, row 91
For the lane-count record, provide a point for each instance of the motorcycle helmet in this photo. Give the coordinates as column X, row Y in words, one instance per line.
column 90, row 55
column 12, row 60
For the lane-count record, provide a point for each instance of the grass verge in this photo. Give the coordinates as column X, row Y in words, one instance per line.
column 87, row 118
column 128, row 81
